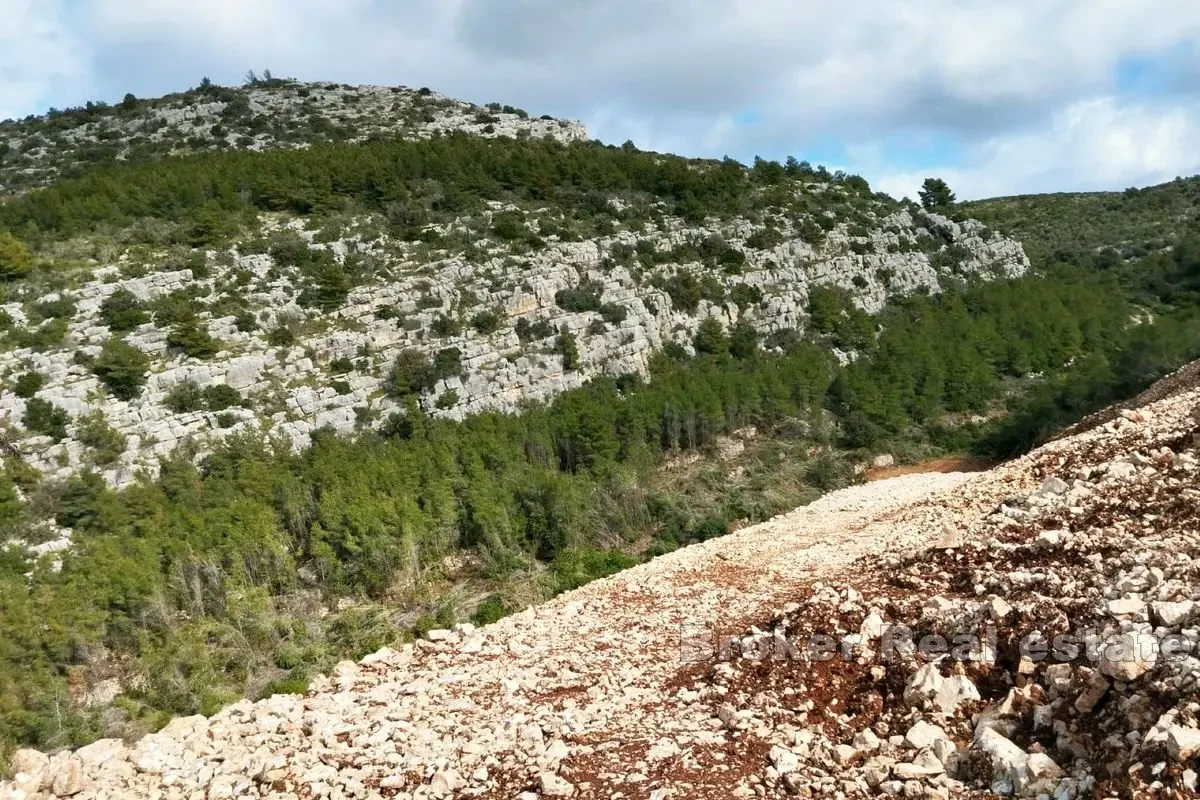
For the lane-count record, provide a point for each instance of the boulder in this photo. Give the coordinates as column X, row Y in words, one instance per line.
column 1054, row 486
column 946, row 694
column 445, row 783
column 1183, row 742
column 1093, row 689
column 949, row 538
column 877, row 770
column 1128, row 656
column 1172, row 614
column 784, row 760
column 101, row 752
column 1013, row 770
column 925, row 765
column 552, row 785
column 68, row 778
column 922, row 735
column 29, row 762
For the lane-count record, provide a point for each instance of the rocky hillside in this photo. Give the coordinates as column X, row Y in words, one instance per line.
column 1027, row 631
column 265, row 113
column 490, row 327
column 327, row 286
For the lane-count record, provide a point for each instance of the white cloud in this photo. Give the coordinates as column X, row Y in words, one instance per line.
column 1092, row 144
column 38, row 54
column 670, row 75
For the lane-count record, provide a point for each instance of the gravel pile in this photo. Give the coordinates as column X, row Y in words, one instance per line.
column 1027, row 631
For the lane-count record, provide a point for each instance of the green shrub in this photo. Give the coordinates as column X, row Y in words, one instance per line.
column 486, row 322
column 28, row 384
column 533, row 331
column 15, row 259
column 47, row 335
column 711, row 338
column 765, row 239
column 179, row 306
column 281, row 336
column 613, row 313
column 296, row 682
column 106, row 443
column 447, row 399
column 341, row 387
column 192, row 337
column 327, row 287
column 447, row 363
column 743, row 342
column 574, row 568
column 121, row 311
column 122, row 368
column 510, row 226
column 220, row 396
column 63, row 308
column 184, row 397
column 584, row 297
column 411, row 373
column 46, row 418
column 388, row 312
column 744, row 295
column 828, row 472
column 568, row 349
column 340, row 366
column 245, row 322
column 445, row 326
column 684, row 291
column 490, row 610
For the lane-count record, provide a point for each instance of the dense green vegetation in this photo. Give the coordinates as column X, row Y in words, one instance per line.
column 416, row 182
column 1105, row 226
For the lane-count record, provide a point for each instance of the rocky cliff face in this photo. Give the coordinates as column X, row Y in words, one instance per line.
column 272, row 113
column 1028, row 631
column 495, row 315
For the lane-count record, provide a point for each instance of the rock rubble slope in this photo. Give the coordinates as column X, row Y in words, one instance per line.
column 1027, row 631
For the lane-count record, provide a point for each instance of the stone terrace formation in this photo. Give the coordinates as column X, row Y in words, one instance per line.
column 329, row 369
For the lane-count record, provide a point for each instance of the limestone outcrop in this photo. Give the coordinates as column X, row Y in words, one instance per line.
column 331, row 370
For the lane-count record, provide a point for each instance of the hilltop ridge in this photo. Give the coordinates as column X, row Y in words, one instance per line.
column 263, row 114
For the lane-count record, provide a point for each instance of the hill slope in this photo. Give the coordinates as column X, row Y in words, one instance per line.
column 621, row 686
column 294, row 280
column 1070, row 224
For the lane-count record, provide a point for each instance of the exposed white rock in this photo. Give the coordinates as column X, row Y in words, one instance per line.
column 922, row 735
column 1183, row 742
column 946, row 693
column 1128, row 656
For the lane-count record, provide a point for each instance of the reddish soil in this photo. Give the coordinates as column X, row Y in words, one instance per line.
column 944, row 464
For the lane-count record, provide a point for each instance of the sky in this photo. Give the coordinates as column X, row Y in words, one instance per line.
column 995, row 96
